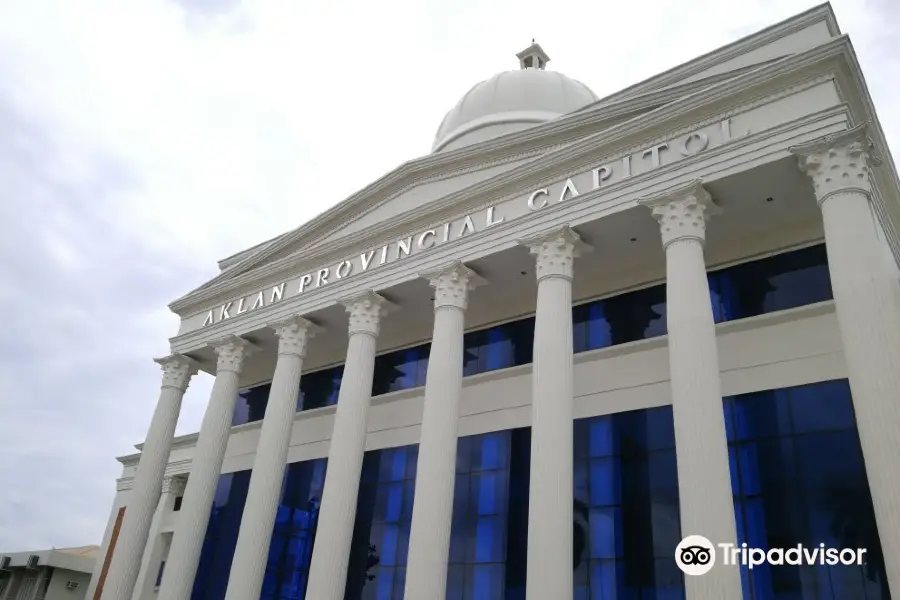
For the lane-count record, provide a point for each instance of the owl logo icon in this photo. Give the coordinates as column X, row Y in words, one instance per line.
column 695, row 555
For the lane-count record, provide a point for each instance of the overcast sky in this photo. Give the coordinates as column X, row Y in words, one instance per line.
column 142, row 141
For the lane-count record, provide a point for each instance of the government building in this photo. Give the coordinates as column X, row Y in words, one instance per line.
column 528, row 364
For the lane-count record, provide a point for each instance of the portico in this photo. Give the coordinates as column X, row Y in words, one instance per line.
column 612, row 213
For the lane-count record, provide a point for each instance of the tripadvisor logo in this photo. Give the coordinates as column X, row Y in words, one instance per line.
column 696, row 555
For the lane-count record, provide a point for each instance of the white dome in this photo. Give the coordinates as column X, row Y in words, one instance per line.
column 509, row 102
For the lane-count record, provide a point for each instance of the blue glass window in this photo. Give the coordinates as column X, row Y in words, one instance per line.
column 159, row 574
column 400, row 370
column 770, row 284
column 377, row 563
column 500, row 347
column 490, row 517
column 211, row 580
column 290, row 550
column 637, row 315
column 798, row 477
column 626, row 507
column 590, row 329
column 292, row 536
column 320, row 388
column 251, row 405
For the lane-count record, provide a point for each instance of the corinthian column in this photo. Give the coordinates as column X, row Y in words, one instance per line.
column 840, row 169
column 432, row 517
column 181, row 567
column 701, row 448
column 552, row 412
column 126, row 561
column 252, row 552
column 331, row 552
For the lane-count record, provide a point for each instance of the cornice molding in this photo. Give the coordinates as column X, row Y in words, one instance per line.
column 178, row 467
column 616, row 141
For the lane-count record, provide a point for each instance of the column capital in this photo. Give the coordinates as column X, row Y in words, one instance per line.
column 232, row 350
column 366, row 311
column 452, row 284
column 839, row 162
column 177, row 370
column 555, row 251
column 173, row 484
column 294, row 334
column 682, row 212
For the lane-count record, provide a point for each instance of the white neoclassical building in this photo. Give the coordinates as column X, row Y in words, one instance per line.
column 529, row 363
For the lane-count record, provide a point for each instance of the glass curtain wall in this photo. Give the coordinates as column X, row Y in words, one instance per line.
column 798, row 477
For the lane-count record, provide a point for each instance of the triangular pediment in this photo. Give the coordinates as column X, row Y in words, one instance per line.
column 432, row 183
column 415, row 186
column 416, row 198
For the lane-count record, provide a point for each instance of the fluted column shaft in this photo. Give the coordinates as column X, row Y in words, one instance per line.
column 172, row 487
column 551, row 492
column 181, row 567
column 145, row 491
column 331, row 552
column 432, row 517
column 701, row 446
column 867, row 316
column 258, row 519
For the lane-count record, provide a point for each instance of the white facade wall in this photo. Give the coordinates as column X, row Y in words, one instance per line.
column 57, row 589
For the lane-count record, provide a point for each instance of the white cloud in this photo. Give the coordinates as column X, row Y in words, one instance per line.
column 142, row 141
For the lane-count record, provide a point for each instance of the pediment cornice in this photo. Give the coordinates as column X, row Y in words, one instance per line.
column 655, row 89
column 553, row 135
column 679, row 116
column 530, row 143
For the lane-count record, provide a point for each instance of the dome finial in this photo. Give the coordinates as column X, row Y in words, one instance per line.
column 533, row 57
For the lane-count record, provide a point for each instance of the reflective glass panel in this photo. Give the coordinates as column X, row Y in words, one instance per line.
column 770, row 284
column 490, row 517
column 211, row 580
column 798, row 477
column 400, row 370
column 377, row 564
column 626, row 507
column 290, row 549
column 251, row 405
column 320, row 388
column 296, row 520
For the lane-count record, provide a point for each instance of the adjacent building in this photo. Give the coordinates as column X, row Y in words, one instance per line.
column 527, row 364
column 56, row 574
